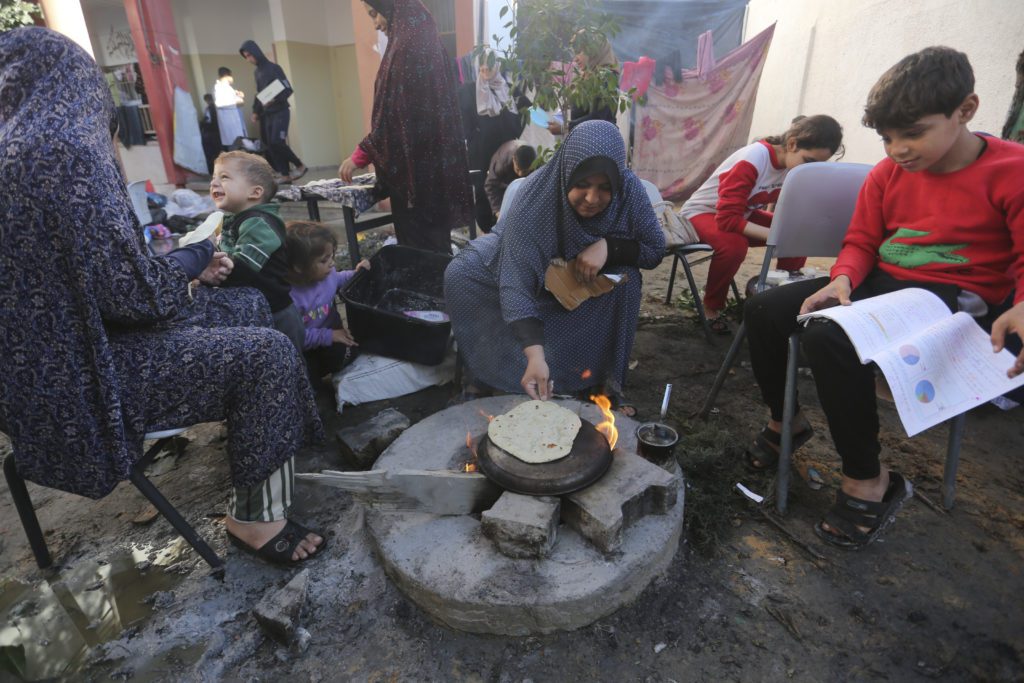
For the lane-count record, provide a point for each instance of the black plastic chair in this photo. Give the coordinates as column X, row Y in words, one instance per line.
column 29, row 521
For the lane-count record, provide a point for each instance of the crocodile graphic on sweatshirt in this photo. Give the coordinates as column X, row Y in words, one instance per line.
column 910, row 255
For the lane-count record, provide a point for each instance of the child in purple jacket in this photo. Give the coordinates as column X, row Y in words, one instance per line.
column 328, row 345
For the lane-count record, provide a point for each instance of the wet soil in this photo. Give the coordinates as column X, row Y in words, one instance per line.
column 749, row 596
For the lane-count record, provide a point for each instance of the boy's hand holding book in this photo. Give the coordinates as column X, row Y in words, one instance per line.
column 1010, row 322
column 835, row 292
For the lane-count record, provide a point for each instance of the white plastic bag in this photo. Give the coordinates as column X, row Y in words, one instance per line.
column 374, row 378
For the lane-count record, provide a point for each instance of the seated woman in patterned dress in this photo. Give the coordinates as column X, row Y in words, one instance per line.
column 100, row 343
column 584, row 206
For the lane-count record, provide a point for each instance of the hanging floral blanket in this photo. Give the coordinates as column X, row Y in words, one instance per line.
column 686, row 128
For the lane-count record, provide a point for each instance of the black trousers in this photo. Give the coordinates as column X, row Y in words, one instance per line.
column 846, row 388
column 329, row 359
column 414, row 229
column 275, row 128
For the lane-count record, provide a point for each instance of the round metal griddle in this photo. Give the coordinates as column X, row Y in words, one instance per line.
column 586, row 462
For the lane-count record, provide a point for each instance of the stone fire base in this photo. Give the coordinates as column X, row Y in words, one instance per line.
column 450, row 569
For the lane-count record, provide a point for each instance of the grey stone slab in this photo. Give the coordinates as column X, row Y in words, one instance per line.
column 278, row 613
column 449, row 568
column 522, row 526
column 361, row 444
column 631, row 489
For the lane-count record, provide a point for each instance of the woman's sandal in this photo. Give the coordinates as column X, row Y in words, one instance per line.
column 280, row 548
column 762, row 457
column 849, row 514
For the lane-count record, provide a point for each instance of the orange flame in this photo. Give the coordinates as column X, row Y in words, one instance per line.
column 471, row 465
column 586, row 374
column 489, row 417
column 608, row 426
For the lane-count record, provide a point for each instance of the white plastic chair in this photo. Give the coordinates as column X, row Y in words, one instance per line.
column 681, row 255
column 811, row 218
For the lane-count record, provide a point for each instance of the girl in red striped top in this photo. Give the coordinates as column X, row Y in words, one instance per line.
column 728, row 210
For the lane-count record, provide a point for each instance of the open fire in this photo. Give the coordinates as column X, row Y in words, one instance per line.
column 607, row 427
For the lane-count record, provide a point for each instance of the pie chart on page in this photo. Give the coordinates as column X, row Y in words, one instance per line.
column 910, row 354
column 925, row 391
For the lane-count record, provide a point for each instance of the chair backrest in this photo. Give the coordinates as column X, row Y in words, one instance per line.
column 510, row 192
column 137, row 192
column 653, row 193
column 814, row 209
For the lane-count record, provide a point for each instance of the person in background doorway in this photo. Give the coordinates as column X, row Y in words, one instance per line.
column 229, row 115
column 416, row 142
column 513, row 159
column 274, row 116
column 589, row 55
column 209, row 131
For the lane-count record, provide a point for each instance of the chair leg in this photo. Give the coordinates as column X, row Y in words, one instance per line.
column 956, row 435
column 697, row 303
column 788, row 411
column 735, row 290
column 167, row 510
column 29, row 521
column 672, row 278
column 730, row 358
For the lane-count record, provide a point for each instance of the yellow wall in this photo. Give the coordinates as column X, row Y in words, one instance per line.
column 348, row 101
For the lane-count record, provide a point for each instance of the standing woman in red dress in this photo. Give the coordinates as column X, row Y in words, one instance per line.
column 415, row 144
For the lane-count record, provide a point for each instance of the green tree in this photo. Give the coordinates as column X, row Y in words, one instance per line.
column 545, row 31
column 14, row 13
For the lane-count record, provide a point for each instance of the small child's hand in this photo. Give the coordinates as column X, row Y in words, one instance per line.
column 837, row 291
column 342, row 336
column 363, row 265
column 1011, row 321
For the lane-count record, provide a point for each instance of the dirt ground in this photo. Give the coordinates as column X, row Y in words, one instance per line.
column 746, row 599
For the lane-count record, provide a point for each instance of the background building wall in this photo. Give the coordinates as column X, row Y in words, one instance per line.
column 826, row 55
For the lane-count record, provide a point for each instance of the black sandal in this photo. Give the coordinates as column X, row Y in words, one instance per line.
column 849, row 513
column 761, row 450
column 720, row 325
column 279, row 549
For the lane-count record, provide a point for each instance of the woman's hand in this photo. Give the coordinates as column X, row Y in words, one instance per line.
column 590, row 261
column 217, row 271
column 837, row 291
column 347, row 169
column 1011, row 321
column 536, row 381
column 554, row 127
column 342, row 336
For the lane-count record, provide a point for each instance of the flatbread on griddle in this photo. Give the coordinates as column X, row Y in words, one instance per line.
column 535, row 431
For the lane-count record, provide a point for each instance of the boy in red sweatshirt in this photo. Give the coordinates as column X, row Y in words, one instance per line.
column 944, row 212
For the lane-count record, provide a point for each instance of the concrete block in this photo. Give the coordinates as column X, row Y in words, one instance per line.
column 522, row 526
column 363, row 443
column 631, row 489
column 278, row 612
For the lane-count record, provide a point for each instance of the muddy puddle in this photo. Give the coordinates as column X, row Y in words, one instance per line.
column 48, row 627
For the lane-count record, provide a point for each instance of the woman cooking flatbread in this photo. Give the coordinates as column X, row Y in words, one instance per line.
column 586, row 208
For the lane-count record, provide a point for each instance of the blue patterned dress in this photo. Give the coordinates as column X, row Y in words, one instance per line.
column 499, row 278
column 100, row 343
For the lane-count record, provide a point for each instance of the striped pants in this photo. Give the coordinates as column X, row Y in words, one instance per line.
column 266, row 501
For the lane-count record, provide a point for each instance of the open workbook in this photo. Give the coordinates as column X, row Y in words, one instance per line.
column 938, row 364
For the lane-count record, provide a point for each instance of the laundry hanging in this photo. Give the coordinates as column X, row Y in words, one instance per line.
column 686, row 128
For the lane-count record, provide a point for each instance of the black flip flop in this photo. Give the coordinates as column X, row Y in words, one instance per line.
column 279, row 549
column 762, row 452
column 849, row 513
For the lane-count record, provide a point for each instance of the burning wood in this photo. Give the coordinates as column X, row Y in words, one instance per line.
column 607, row 427
column 470, row 466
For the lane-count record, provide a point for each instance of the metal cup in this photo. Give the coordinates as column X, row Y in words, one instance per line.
column 656, row 442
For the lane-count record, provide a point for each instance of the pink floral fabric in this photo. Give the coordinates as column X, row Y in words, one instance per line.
column 687, row 128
